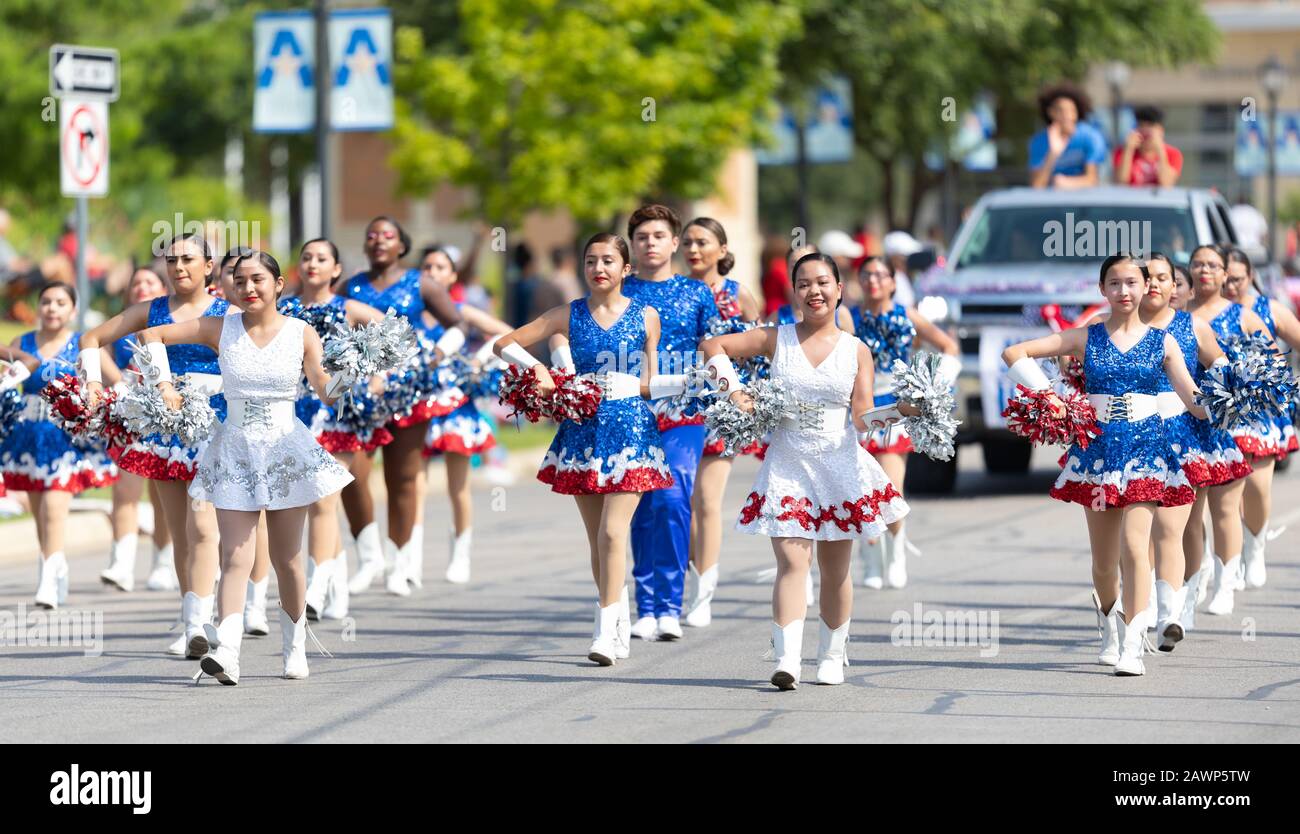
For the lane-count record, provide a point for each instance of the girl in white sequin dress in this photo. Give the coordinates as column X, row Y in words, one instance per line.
column 262, row 458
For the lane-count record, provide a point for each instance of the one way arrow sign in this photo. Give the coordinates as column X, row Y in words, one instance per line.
column 84, row 72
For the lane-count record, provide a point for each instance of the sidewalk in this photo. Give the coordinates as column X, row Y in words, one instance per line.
column 89, row 532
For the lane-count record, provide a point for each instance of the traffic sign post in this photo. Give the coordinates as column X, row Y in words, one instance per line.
column 85, row 80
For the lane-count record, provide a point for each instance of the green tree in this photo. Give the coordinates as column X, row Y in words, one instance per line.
column 588, row 105
column 905, row 58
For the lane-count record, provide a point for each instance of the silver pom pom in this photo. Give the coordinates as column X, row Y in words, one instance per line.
column 142, row 411
column 917, row 383
column 379, row 346
column 738, row 429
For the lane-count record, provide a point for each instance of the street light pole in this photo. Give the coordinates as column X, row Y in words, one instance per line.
column 1117, row 75
column 1272, row 76
column 324, row 83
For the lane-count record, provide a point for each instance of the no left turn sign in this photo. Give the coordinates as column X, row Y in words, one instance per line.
column 83, row 148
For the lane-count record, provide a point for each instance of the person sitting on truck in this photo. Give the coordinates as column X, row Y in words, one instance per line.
column 1067, row 152
column 1145, row 159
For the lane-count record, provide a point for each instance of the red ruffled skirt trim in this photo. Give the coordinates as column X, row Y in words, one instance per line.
column 151, row 466
column 1146, row 490
column 642, row 479
column 455, row 444
column 902, row 446
column 342, row 441
column 79, row 482
column 666, row 423
column 715, row 449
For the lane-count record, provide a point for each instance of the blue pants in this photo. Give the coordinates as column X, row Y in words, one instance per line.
column 661, row 528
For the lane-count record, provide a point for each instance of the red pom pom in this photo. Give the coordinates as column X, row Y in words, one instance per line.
column 1033, row 415
column 519, row 391
column 576, row 398
column 1072, row 373
column 71, row 412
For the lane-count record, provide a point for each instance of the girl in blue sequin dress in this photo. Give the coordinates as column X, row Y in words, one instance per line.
column 38, row 457
column 1258, row 498
column 458, row 435
column 1258, row 442
column 411, row 397
column 145, row 285
column 610, row 460
column 1131, row 468
column 705, row 243
column 166, row 460
column 889, row 329
column 342, row 429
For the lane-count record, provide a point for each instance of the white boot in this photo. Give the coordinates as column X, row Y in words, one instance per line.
column 644, row 627
column 1207, row 567
column 1108, row 629
column 668, row 628
column 604, row 636
column 700, row 612
column 1253, row 556
column 177, row 646
column 1169, row 612
column 222, row 659
column 337, row 597
column 787, row 648
column 162, row 575
column 318, row 583
column 808, row 589
column 896, row 558
column 293, row 639
column 255, row 608
column 623, row 629
column 52, row 581
column 397, row 581
column 1225, row 583
column 832, row 653
column 873, row 560
column 1152, row 612
column 1132, row 644
column 1188, row 618
column 121, row 565
column 415, row 557
column 370, row 559
column 458, row 567
column 197, row 612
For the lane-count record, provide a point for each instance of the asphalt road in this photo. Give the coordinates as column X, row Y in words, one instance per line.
column 504, row 659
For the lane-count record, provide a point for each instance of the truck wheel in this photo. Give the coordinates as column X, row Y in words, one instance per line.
column 930, row 477
column 1006, row 456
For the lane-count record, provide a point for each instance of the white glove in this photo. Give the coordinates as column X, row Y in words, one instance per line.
column 14, row 376
column 949, row 369
column 724, row 372
column 1026, row 372
column 562, row 357
column 337, row 385
column 451, row 341
column 89, row 360
column 160, row 369
column 484, row 355
column 516, row 355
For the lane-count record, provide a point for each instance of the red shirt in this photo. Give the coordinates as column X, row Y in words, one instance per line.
column 775, row 280
column 1143, row 171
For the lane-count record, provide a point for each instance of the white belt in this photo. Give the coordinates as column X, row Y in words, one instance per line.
column 209, row 384
column 1169, row 404
column 816, row 418
column 616, row 386
column 1124, row 407
column 263, row 414
column 35, row 408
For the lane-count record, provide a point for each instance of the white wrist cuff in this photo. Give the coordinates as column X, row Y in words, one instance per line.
column 1026, row 372
column 451, row 341
column 158, row 358
column 562, row 357
column 949, row 369
column 484, row 354
column 724, row 372
column 1222, row 360
column 14, row 376
column 516, row 355
column 667, row 385
column 337, row 385
column 90, row 370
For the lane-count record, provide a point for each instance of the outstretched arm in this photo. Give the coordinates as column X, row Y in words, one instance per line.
column 1176, row 368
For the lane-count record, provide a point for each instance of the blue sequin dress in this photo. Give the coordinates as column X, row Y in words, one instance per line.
column 619, row 449
column 1284, row 422
column 785, row 315
column 463, row 430
column 730, row 320
column 1131, row 461
column 38, row 456
column 165, row 457
column 687, row 311
column 1208, row 455
column 1257, row 439
column 413, row 393
column 888, row 336
column 359, row 427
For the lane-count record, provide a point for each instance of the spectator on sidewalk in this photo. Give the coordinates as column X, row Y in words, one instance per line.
column 1067, row 153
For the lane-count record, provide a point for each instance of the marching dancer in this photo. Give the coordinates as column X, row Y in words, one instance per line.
column 709, row 262
column 608, row 461
column 816, row 483
column 166, row 459
column 38, row 457
column 1207, row 455
column 261, row 458
column 144, row 285
column 888, row 329
column 464, row 432
column 788, row 314
column 1131, row 468
column 411, row 393
column 661, row 527
column 1259, row 443
column 327, row 594
column 1241, row 287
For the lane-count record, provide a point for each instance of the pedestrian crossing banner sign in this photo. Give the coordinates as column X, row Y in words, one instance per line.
column 361, row 69
column 284, row 50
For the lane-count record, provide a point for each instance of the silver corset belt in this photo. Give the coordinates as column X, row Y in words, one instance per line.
column 260, row 414
column 816, row 418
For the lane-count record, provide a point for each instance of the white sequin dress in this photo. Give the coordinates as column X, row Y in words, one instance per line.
column 262, row 457
column 816, row 482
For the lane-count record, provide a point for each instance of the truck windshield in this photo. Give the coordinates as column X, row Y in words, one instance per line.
column 1028, row 234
